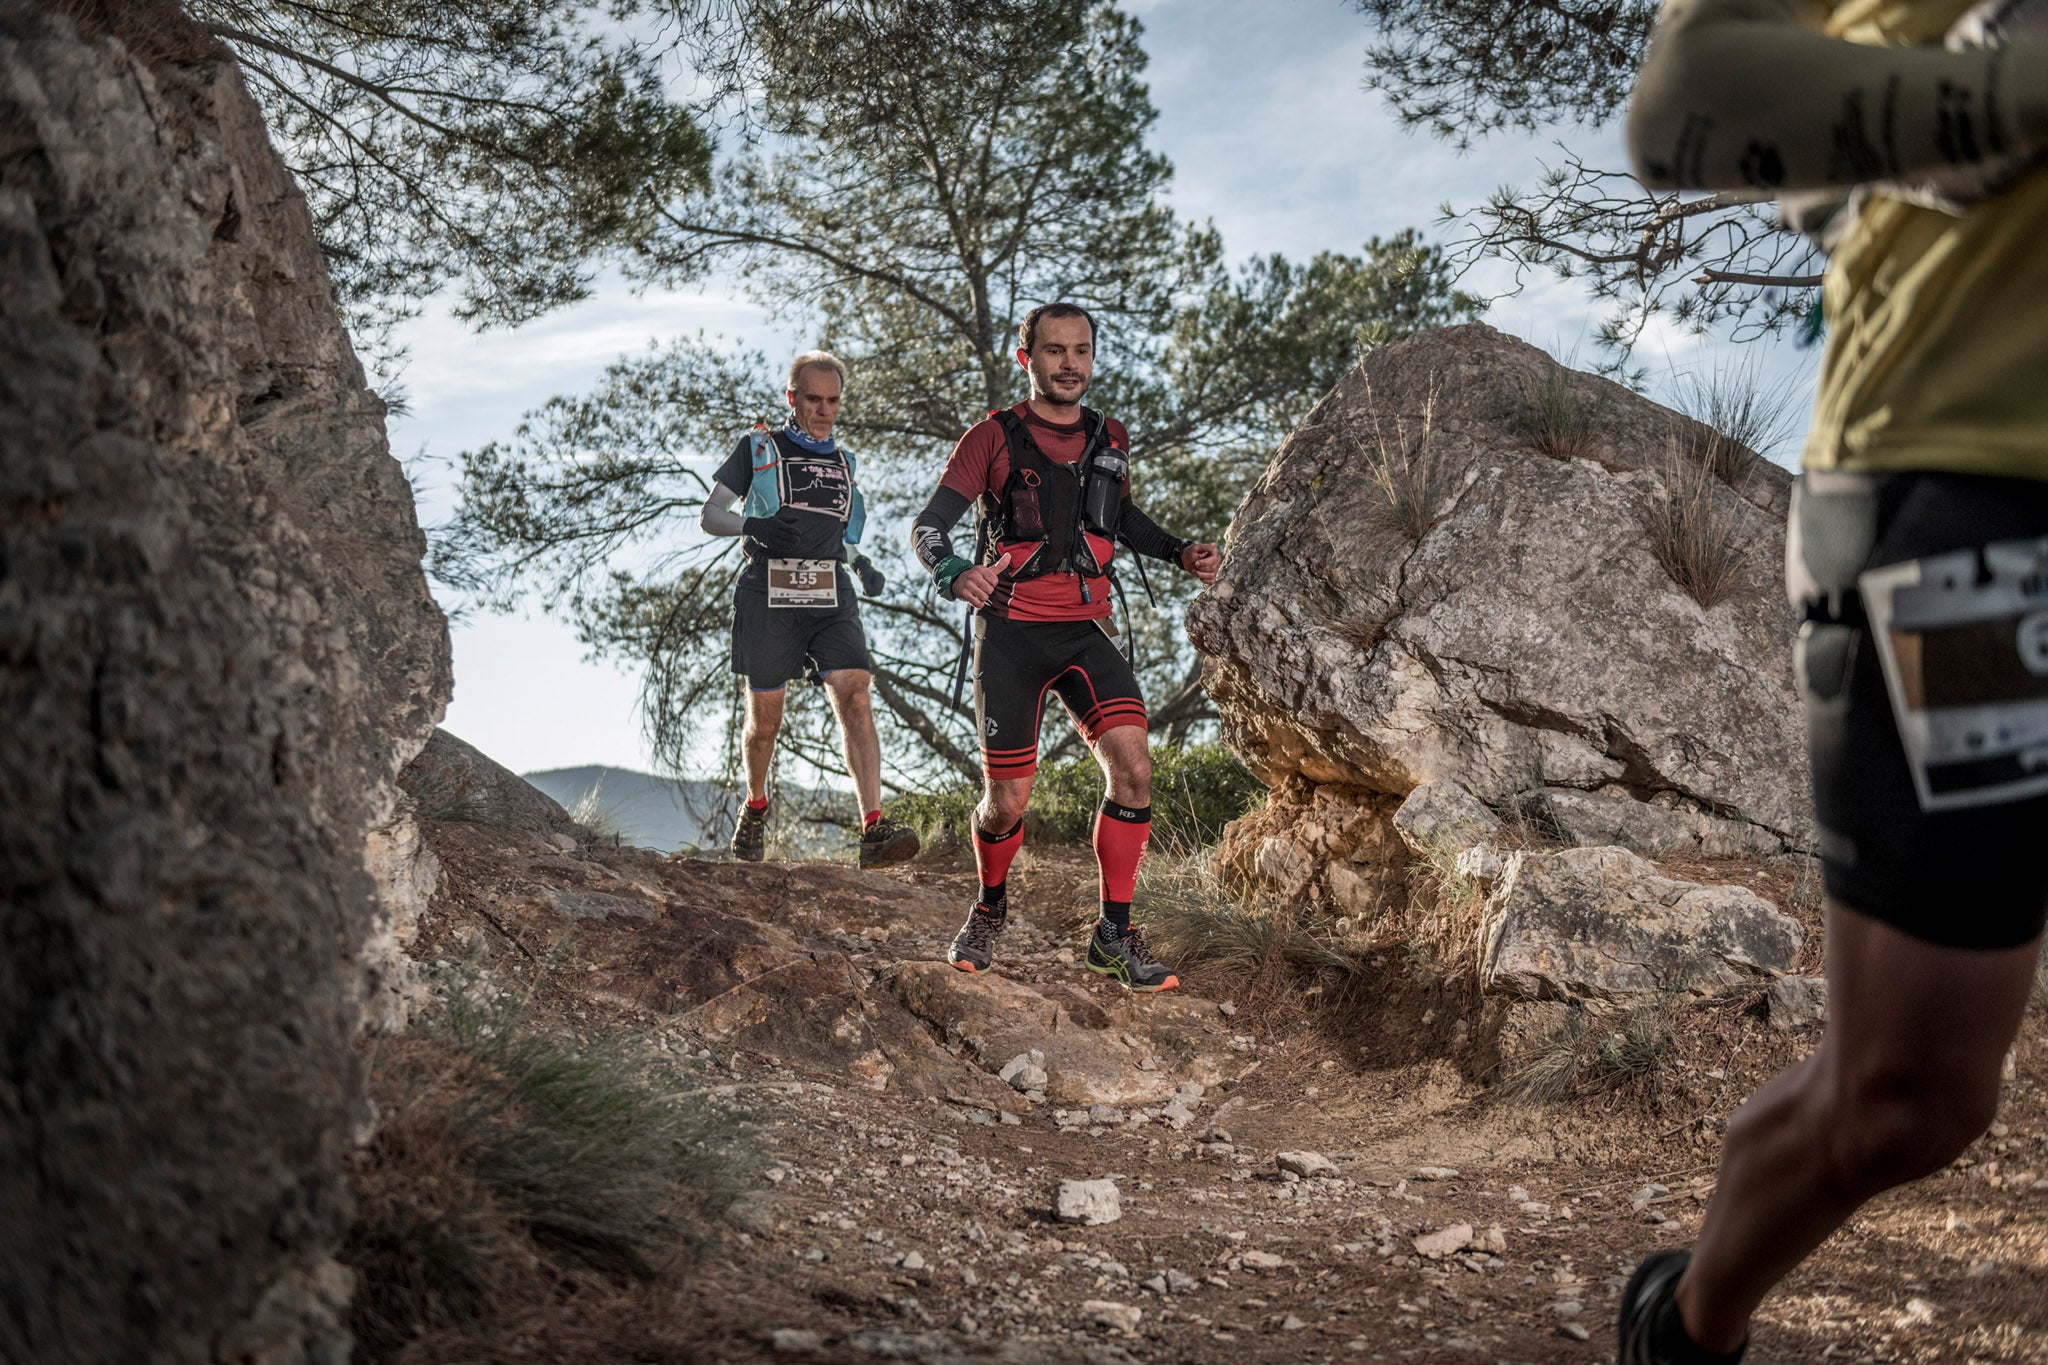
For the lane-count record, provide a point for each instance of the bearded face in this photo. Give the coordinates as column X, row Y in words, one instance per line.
column 1061, row 360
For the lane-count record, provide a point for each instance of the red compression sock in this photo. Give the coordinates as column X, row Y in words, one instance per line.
column 757, row 803
column 1121, row 833
column 868, row 821
column 993, row 854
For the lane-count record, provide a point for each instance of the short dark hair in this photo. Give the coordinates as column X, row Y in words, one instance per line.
column 1027, row 331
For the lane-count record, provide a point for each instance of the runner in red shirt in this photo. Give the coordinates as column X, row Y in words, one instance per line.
column 1049, row 481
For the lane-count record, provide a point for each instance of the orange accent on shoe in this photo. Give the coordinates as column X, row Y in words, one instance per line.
column 968, row 967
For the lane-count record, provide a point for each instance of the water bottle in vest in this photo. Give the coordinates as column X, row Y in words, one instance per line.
column 1102, row 498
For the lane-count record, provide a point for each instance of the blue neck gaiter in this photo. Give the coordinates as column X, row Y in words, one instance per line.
column 804, row 440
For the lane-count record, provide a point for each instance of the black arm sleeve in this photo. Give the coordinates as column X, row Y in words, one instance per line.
column 930, row 531
column 1144, row 535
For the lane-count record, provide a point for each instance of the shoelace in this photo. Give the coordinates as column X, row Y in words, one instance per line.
column 981, row 931
column 1135, row 951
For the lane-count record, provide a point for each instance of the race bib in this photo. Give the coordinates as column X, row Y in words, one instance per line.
column 803, row 583
column 1964, row 645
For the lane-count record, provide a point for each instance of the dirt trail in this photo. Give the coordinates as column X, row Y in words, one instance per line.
column 905, row 1202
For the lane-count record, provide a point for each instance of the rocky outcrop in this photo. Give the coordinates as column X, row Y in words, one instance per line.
column 216, row 652
column 1529, row 640
column 1600, row 924
column 453, row 780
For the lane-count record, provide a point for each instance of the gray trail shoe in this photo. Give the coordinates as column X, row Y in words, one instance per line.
column 886, row 843
column 750, row 835
column 1124, row 957
column 1645, row 1302
column 974, row 946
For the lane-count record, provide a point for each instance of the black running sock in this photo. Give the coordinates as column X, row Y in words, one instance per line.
column 995, row 900
column 1118, row 915
column 1674, row 1346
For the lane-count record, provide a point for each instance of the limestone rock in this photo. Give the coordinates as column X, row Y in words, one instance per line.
column 1090, row 1203
column 1445, row 1241
column 217, row 650
column 1440, row 817
column 454, row 780
column 1307, row 1165
column 1599, row 923
column 1118, row 1317
column 1529, row 638
column 1797, row 1002
column 1606, row 820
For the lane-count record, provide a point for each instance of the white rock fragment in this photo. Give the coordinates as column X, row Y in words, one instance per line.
column 1021, row 1073
column 796, row 1341
column 1261, row 1260
column 1647, row 1195
column 1434, row 1173
column 1444, row 1242
column 1307, row 1165
column 1090, row 1203
column 1117, row 1317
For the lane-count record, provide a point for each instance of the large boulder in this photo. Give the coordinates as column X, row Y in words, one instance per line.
column 1529, row 638
column 216, row 651
column 451, row 779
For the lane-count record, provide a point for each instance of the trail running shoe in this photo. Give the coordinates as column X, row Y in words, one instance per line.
column 1647, row 1298
column 1125, row 957
column 886, row 843
column 750, row 835
column 974, row 946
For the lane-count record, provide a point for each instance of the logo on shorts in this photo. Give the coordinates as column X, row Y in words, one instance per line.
column 990, row 728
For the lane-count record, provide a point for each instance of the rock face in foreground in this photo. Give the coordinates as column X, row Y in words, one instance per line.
column 1529, row 640
column 216, row 651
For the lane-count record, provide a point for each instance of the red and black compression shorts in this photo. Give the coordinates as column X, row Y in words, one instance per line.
column 1017, row 662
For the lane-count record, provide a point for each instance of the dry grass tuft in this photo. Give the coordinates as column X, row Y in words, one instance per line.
column 1412, row 478
column 1557, row 421
column 1581, row 1058
column 1737, row 420
column 1697, row 531
column 517, row 1182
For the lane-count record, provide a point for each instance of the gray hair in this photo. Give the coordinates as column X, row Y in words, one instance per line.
column 810, row 358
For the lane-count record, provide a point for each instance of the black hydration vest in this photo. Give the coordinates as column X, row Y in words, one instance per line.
column 1044, row 502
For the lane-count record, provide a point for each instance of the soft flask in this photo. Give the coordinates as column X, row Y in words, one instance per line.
column 1103, row 495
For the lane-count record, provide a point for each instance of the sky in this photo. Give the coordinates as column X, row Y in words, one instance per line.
column 1273, row 137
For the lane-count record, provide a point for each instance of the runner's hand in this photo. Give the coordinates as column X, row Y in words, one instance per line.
column 1202, row 560
column 974, row 585
column 871, row 580
column 781, row 534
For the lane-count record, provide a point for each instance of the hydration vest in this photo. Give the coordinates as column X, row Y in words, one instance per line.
column 1042, row 502
column 766, row 489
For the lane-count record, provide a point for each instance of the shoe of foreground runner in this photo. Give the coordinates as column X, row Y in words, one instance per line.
column 750, row 835
column 1644, row 1303
column 974, row 946
column 1125, row 957
column 886, row 843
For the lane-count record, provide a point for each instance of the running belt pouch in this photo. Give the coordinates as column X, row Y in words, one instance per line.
column 1832, row 530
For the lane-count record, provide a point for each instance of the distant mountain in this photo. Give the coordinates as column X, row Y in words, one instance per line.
column 667, row 814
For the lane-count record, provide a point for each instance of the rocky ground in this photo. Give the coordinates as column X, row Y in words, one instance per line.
column 1289, row 1177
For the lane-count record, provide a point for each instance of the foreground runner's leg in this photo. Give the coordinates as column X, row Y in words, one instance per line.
column 757, row 743
column 883, row 842
column 998, row 834
column 1906, row 1076
column 1117, row 948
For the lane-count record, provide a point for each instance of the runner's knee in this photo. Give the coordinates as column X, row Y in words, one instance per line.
column 1002, row 806
column 1889, row 1128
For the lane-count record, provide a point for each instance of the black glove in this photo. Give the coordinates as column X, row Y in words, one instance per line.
column 779, row 535
column 871, row 580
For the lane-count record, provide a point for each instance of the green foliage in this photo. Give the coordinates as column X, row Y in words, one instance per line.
column 506, row 148
column 919, row 221
column 1197, row 789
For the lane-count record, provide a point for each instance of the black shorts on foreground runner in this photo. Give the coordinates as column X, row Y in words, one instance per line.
column 772, row 645
column 1961, row 878
column 1015, row 662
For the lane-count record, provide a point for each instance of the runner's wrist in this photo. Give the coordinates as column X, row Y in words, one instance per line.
column 947, row 571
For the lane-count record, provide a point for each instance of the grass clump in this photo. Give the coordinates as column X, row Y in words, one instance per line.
column 1557, row 421
column 1406, row 469
column 1197, row 789
column 1737, row 420
column 1587, row 1057
column 1698, row 533
column 599, row 816
column 1197, row 922
column 517, row 1180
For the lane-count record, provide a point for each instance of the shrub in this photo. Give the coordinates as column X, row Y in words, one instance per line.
column 1197, row 789
column 512, row 1171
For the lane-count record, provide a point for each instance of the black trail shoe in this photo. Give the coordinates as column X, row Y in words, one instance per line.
column 1645, row 1304
column 750, row 835
column 974, row 946
column 1125, row 957
column 886, row 843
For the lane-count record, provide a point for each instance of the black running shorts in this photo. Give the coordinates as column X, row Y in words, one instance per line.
column 1015, row 662
column 1966, row 878
column 772, row 645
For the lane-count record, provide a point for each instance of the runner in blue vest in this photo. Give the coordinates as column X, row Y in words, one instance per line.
column 794, row 607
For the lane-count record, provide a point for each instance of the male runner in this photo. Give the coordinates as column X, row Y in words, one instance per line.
column 1049, row 479
column 1916, row 551
column 794, row 603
